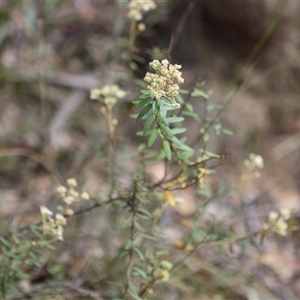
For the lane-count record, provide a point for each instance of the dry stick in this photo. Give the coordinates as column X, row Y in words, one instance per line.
column 256, row 49
column 112, row 150
column 132, row 228
column 35, row 156
column 174, row 38
column 193, row 251
column 229, row 95
column 41, row 77
column 131, row 39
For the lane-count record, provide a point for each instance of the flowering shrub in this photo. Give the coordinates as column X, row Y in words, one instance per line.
column 134, row 246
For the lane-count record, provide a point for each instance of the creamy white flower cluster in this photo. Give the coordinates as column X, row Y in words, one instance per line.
column 277, row 222
column 162, row 273
column 254, row 161
column 70, row 195
column 52, row 225
column 167, row 82
column 110, row 94
column 138, row 7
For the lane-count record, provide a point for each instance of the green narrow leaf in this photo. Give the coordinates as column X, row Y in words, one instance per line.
column 133, row 116
column 175, row 119
column 135, row 297
column 133, row 66
column 190, row 114
column 139, row 227
column 146, row 212
column 152, row 137
column 182, row 91
column 227, row 131
column 36, row 230
column 206, row 137
column 167, row 149
column 48, row 246
column 141, row 102
column 179, row 99
column 140, row 272
column 140, row 133
column 198, row 93
column 128, row 244
column 20, row 274
column 167, row 100
column 166, row 130
column 150, row 154
column 178, row 130
column 122, row 254
column 161, row 155
column 142, row 199
column 132, row 288
column 189, row 107
column 140, row 254
column 166, row 105
column 128, row 216
column 209, row 154
column 161, row 118
column 213, row 106
column 144, row 111
column 148, row 124
column 149, row 237
column 180, row 145
column 5, row 242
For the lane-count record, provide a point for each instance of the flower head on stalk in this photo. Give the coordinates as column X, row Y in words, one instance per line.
column 138, row 7
column 166, row 82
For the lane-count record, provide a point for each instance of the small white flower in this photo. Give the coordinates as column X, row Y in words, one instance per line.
column 58, row 232
column 69, row 200
column 176, row 105
column 60, row 207
column 95, row 94
column 52, row 226
column 45, row 211
column 141, row 27
column 277, row 223
column 285, row 213
column 110, row 100
column 73, row 194
column 70, row 212
column 61, row 190
column 255, row 161
column 273, row 216
column 137, row 7
column 109, row 94
column 85, row 196
column 72, row 182
column 281, row 226
column 60, row 219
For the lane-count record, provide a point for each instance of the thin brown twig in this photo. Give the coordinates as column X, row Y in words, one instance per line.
column 40, row 158
column 179, row 28
column 132, row 228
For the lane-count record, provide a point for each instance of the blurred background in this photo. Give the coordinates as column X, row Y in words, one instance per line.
column 53, row 52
